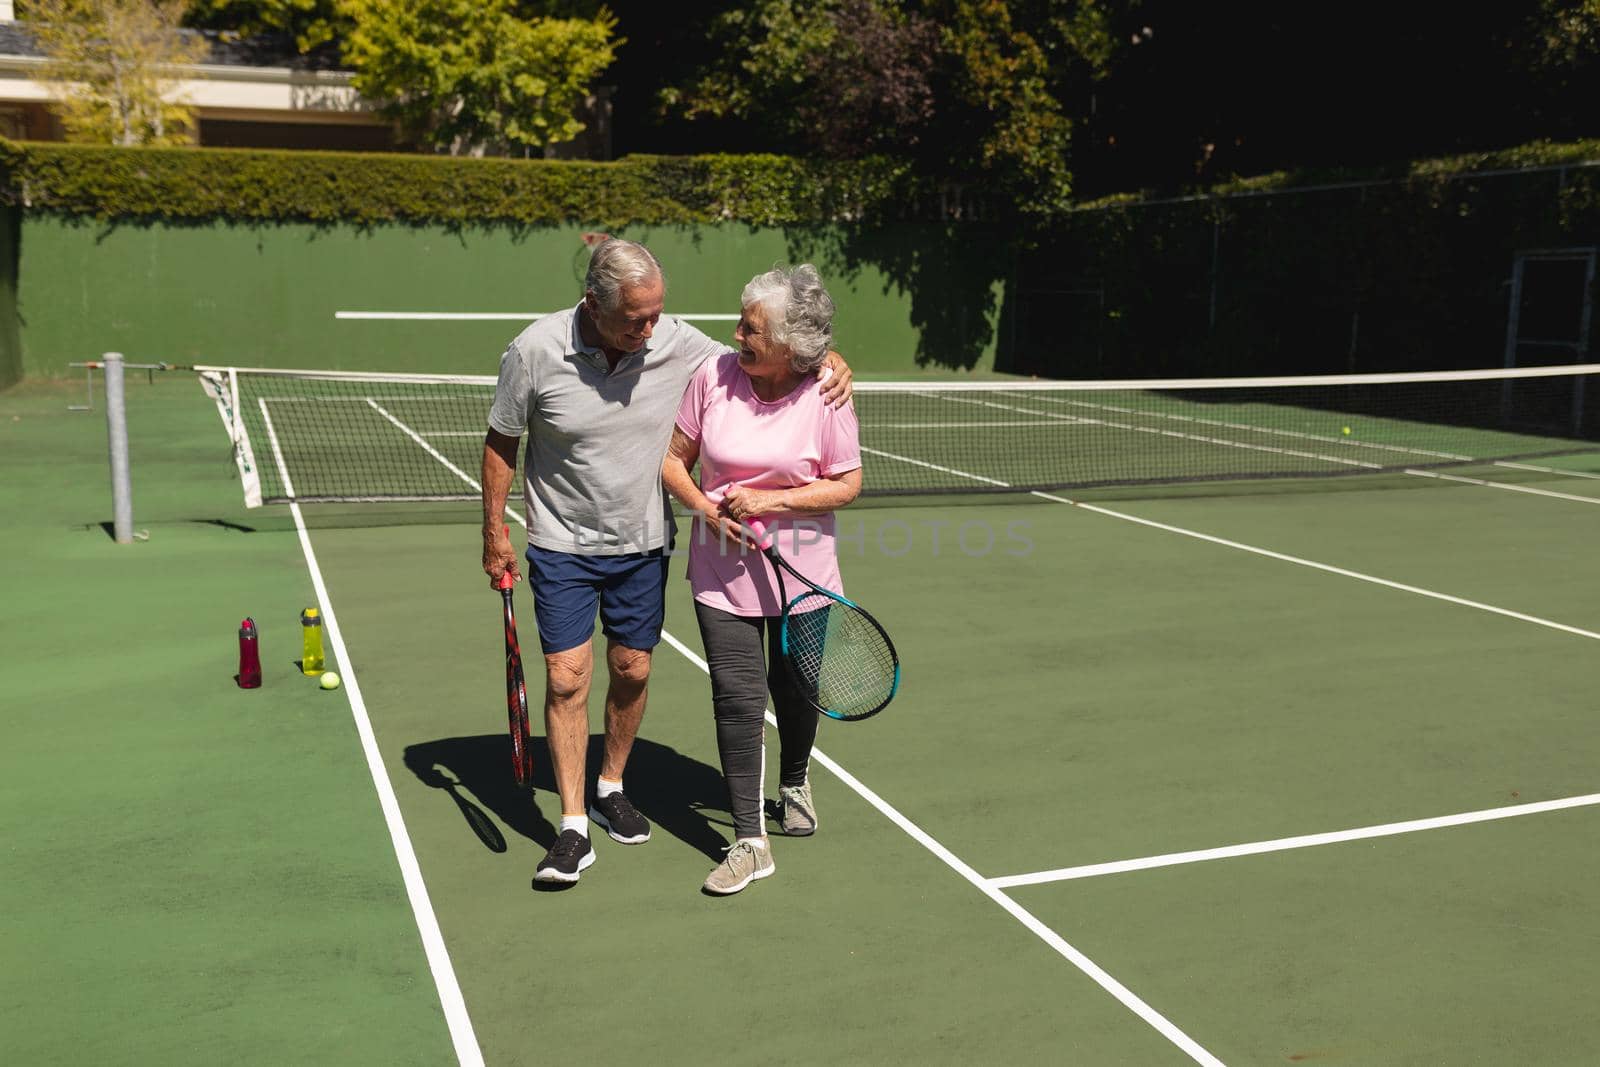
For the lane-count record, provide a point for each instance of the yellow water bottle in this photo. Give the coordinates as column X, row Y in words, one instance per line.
column 311, row 660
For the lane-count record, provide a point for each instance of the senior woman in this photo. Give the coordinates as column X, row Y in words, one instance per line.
column 769, row 447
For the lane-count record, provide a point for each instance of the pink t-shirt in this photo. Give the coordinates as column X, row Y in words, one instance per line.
column 746, row 441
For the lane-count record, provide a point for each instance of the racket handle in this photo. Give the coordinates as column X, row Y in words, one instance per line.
column 759, row 531
column 505, row 581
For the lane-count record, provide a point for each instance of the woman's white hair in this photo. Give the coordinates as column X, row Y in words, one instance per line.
column 799, row 313
column 617, row 265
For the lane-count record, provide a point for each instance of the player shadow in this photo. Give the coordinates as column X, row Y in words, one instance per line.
column 680, row 795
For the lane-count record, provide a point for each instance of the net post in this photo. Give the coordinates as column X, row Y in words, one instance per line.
column 117, row 438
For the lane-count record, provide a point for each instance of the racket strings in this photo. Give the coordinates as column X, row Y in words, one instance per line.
column 841, row 659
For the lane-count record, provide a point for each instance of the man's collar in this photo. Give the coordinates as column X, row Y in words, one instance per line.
column 580, row 345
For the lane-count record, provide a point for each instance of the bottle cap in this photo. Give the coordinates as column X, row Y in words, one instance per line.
column 308, row 615
column 247, row 628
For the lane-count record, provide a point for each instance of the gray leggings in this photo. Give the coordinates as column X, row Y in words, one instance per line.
column 741, row 676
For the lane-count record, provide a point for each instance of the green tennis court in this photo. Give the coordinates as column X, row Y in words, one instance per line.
column 1240, row 771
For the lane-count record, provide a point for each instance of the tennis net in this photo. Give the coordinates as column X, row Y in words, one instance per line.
column 316, row 436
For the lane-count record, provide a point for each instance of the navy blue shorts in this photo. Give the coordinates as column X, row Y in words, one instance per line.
column 630, row 591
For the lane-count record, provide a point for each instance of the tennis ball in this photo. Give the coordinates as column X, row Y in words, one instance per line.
column 1347, row 431
column 330, row 680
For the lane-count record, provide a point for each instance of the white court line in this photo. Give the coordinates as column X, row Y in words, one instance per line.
column 936, row 467
column 1246, row 427
column 462, row 1035
column 486, row 316
column 1327, row 567
column 426, row 447
column 1176, row 434
column 1545, row 470
column 1256, row 848
column 1226, row 443
column 1105, row 981
column 1505, row 485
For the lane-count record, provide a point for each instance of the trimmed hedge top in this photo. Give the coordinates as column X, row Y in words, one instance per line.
column 199, row 183
column 1536, row 156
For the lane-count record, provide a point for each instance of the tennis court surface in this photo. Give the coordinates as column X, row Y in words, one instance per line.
column 1288, row 762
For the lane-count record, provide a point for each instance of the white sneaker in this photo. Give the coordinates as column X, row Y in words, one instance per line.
column 743, row 864
column 796, row 811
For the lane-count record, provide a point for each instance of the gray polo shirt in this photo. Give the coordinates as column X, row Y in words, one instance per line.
column 596, row 436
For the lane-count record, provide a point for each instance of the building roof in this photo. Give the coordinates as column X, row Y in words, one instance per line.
column 227, row 49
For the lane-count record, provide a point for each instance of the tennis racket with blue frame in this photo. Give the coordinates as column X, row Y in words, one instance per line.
column 838, row 656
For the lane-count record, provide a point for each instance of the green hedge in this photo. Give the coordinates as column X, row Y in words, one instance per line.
column 195, row 184
column 1523, row 157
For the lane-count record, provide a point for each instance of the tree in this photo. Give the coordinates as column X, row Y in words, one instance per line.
column 844, row 78
column 309, row 22
column 973, row 90
column 474, row 77
column 111, row 67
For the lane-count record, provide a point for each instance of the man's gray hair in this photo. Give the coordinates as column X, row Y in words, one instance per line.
column 799, row 313
column 617, row 265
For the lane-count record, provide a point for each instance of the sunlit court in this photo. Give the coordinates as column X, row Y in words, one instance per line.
column 1212, row 768
column 857, row 532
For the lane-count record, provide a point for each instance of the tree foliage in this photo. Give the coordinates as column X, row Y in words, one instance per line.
column 971, row 89
column 845, row 78
column 476, row 77
column 1564, row 34
column 309, row 22
column 109, row 66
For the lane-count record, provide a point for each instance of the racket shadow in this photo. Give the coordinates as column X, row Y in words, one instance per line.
column 476, row 771
column 680, row 795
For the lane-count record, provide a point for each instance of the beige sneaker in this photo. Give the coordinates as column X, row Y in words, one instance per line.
column 744, row 863
column 796, row 812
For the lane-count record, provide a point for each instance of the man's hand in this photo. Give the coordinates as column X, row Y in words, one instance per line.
column 836, row 386
column 499, row 558
column 499, row 464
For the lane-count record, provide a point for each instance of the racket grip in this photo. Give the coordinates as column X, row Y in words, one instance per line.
column 505, row 581
column 763, row 539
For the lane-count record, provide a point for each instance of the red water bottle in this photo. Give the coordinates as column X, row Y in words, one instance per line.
column 249, row 656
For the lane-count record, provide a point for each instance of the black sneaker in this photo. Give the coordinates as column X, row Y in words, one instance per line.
column 567, row 858
column 620, row 818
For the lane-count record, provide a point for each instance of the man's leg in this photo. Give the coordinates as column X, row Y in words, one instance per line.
column 566, row 720
column 631, row 607
column 566, row 728
column 625, row 699
column 629, row 669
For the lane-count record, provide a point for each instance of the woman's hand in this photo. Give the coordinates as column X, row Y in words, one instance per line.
column 744, row 504
column 724, row 528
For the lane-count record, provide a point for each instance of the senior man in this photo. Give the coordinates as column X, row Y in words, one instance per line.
column 596, row 389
